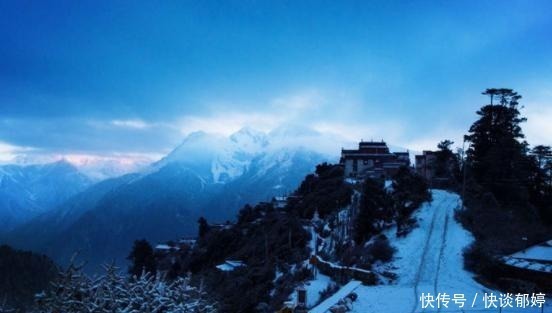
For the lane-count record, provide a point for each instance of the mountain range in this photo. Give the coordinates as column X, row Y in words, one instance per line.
column 28, row 191
column 207, row 175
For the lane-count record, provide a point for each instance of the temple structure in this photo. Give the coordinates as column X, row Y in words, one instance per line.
column 372, row 159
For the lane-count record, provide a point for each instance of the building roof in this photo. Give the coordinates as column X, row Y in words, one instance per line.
column 368, row 145
column 230, row 265
column 535, row 258
column 372, row 143
column 164, row 247
column 540, row 252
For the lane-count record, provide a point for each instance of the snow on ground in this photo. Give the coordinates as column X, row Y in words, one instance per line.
column 429, row 260
column 313, row 288
column 342, row 293
column 320, row 281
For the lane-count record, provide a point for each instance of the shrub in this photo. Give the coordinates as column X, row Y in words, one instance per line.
column 381, row 249
column 74, row 292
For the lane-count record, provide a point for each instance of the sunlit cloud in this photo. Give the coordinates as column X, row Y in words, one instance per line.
column 9, row 152
column 95, row 166
column 226, row 123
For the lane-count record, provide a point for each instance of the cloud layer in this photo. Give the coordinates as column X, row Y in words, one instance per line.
column 116, row 82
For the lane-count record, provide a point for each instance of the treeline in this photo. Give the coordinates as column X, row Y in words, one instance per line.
column 22, row 275
column 508, row 186
column 264, row 240
column 271, row 243
column 382, row 208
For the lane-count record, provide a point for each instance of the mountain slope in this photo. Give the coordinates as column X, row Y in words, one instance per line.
column 38, row 233
column 207, row 175
column 27, row 191
column 429, row 260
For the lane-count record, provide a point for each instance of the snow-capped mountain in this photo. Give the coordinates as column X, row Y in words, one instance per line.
column 27, row 191
column 206, row 175
column 219, row 159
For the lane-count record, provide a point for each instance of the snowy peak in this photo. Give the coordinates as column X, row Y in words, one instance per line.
column 219, row 159
column 236, row 157
column 250, row 140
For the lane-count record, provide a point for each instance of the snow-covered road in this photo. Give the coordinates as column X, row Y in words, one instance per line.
column 429, row 260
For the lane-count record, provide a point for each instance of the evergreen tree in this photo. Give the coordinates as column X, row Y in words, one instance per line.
column 374, row 210
column 22, row 275
column 142, row 259
column 203, row 227
column 497, row 155
column 541, row 181
column 325, row 192
column 410, row 190
column 446, row 164
column 548, row 171
column 543, row 154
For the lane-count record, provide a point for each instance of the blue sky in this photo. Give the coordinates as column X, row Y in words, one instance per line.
column 131, row 78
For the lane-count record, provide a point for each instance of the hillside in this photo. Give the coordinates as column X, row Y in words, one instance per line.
column 428, row 261
column 28, row 191
column 207, row 175
column 24, row 274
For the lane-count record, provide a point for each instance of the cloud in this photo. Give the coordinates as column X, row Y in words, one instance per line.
column 132, row 123
column 226, row 123
column 299, row 107
column 339, row 119
column 87, row 136
column 9, row 152
column 95, row 166
column 538, row 128
column 104, row 166
column 299, row 103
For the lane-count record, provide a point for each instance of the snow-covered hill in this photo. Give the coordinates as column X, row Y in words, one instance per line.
column 428, row 261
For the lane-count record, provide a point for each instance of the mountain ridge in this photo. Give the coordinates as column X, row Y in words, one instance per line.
column 207, row 175
column 30, row 190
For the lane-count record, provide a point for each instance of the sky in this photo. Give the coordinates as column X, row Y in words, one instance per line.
column 128, row 80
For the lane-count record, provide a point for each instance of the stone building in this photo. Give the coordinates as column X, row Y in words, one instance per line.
column 425, row 164
column 372, row 159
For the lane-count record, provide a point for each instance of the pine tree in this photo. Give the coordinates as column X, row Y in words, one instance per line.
column 541, row 181
column 142, row 258
column 543, row 154
column 497, row 155
column 446, row 164
column 203, row 227
column 374, row 210
column 409, row 191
